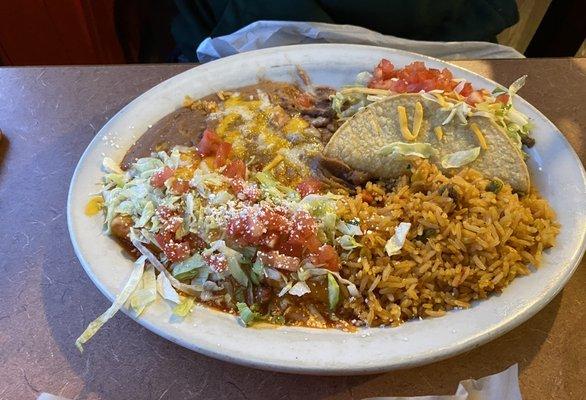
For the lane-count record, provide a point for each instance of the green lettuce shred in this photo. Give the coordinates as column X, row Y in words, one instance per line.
column 119, row 301
column 184, row 307
column 247, row 316
column 146, row 291
column 333, row 292
column 347, row 242
column 188, row 269
column 460, row 158
column 421, row 150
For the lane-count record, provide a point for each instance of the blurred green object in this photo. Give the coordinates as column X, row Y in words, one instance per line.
column 455, row 20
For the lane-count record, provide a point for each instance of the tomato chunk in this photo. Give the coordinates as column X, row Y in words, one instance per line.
column 276, row 260
column 327, row 257
column 467, row 89
column 158, row 179
column 474, row 97
column 309, row 186
column 236, row 169
column 179, row 186
column 503, row 98
column 217, row 262
column 222, row 154
column 174, row 250
column 208, row 145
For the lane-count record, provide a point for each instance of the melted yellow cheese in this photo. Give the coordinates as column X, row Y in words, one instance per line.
column 226, row 123
column 295, row 124
column 94, row 205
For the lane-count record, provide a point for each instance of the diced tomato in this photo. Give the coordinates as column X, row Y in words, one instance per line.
column 196, row 242
column 165, row 213
column 173, row 249
column 503, row 98
column 291, row 234
column 327, row 257
column 413, row 78
column 222, row 154
column 180, row 186
column 158, row 179
column 236, row 169
column 303, row 228
column 467, row 89
column 208, row 145
column 304, row 100
column 217, row 262
column 276, row 260
column 309, row 186
column 474, row 97
column 384, row 70
column 248, row 191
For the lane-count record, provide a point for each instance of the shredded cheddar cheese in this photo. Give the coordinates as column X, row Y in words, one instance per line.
column 443, row 103
column 364, row 90
column 404, row 124
column 274, row 162
column 439, row 132
column 418, row 119
column 479, row 136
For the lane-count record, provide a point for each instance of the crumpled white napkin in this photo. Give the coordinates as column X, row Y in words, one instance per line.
column 501, row 386
column 264, row 34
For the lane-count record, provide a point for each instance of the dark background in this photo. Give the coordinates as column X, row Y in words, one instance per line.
column 41, row 32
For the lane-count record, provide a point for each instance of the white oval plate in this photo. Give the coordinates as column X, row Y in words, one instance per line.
column 555, row 168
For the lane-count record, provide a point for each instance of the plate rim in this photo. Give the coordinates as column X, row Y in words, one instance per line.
column 505, row 325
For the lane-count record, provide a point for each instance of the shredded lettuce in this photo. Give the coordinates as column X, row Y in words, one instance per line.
column 117, row 179
column 234, row 259
column 110, row 166
column 346, row 105
column 460, row 158
column 256, row 272
column 166, row 290
column 188, row 269
column 146, row 291
column 347, row 242
column 363, row 78
column 299, row 289
column 396, row 242
column 516, row 86
column 273, row 188
column 184, row 307
column 348, row 228
column 189, row 289
column 146, row 167
column 147, row 213
column 303, row 274
column 247, row 316
column 328, row 225
column 421, row 150
column 333, row 292
column 119, row 301
column 285, row 289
